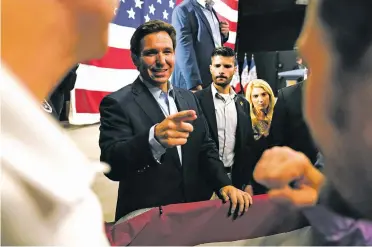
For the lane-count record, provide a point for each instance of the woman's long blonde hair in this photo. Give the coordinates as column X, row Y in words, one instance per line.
column 258, row 83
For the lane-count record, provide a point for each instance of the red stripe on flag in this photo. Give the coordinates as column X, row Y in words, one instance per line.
column 233, row 26
column 114, row 58
column 88, row 101
column 237, row 88
column 232, row 46
column 178, row 2
column 234, row 4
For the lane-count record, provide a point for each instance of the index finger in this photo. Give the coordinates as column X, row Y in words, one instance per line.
column 233, row 201
column 183, row 116
column 224, row 22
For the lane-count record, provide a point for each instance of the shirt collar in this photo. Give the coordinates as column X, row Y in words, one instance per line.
column 203, row 3
column 214, row 92
column 155, row 91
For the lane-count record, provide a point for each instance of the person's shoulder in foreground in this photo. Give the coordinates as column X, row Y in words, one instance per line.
column 34, row 185
column 46, row 194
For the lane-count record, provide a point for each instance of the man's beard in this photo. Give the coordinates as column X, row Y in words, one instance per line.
column 223, row 84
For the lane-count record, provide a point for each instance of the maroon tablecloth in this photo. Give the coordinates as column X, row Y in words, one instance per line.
column 204, row 222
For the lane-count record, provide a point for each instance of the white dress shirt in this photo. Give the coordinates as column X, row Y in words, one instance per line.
column 213, row 22
column 227, row 120
column 167, row 104
column 46, row 197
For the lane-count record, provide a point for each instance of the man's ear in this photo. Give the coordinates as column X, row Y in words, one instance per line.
column 135, row 59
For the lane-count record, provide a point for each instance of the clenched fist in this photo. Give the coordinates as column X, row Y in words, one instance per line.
column 174, row 130
column 280, row 166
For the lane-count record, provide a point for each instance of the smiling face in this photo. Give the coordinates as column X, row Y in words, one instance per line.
column 260, row 98
column 156, row 61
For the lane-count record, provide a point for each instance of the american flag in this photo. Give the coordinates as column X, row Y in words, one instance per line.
column 97, row 78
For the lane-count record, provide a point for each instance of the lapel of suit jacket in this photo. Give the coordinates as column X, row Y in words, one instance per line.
column 146, row 102
column 200, row 13
column 182, row 105
column 241, row 124
column 209, row 111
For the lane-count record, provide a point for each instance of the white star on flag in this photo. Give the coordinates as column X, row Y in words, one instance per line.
column 152, row 9
column 139, row 4
column 165, row 15
column 159, row 1
column 131, row 13
column 171, row 4
column 147, row 18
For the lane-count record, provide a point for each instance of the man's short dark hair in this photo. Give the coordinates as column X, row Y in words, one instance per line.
column 223, row 51
column 348, row 24
column 147, row 28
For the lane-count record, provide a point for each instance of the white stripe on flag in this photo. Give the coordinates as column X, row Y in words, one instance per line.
column 103, row 79
column 232, row 37
column 119, row 36
column 226, row 11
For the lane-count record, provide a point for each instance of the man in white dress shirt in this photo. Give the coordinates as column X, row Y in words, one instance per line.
column 45, row 191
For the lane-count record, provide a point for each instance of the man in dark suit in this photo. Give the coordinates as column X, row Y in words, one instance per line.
column 155, row 137
column 288, row 127
column 198, row 32
column 228, row 119
column 57, row 98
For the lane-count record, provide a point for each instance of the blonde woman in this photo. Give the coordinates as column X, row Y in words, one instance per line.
column 262, row 101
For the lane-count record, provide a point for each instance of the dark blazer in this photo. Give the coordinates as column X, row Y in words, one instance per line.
column 245, row 158
column 126, row 118
column 259, row 147
column 288, row 127
column 60, row 94
column 195, row 45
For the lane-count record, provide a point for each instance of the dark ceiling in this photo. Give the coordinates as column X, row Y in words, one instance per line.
column 254, row 7
column 268, row 25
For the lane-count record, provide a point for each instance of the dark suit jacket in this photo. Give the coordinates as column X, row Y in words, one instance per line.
column 245, row 158
column 195, row 45
column 126, row 118
column 288, row 127
column 59, row 95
